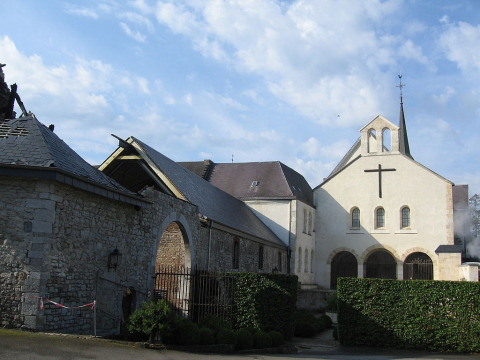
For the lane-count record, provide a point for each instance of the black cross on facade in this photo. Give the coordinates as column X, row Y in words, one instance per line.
column 379, row 170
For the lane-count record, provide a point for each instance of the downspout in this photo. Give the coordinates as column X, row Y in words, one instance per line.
column 210, row 222
column 289, row 250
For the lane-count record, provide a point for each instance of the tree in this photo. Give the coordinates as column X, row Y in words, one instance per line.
column 474, row 204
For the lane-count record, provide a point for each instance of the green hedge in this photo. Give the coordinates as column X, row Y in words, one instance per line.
column 265, row 301
column 432, row 315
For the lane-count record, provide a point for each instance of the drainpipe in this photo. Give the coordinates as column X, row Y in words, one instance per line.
column 289, row 250
column 209, row 243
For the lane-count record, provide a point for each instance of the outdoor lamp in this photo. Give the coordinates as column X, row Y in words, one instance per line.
column 114, row 259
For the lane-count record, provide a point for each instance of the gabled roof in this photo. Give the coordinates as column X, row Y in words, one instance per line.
column 176, row 180
column 27, row 143
column 259, row 180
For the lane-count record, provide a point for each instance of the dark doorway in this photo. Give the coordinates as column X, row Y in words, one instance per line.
column 344, row 264
column 418, row 266
column 381, row 265
column 128, row 303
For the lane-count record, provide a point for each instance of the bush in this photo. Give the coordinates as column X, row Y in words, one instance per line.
column 327, row 321
column 215, row 323
column 427, row 314
column 184, row 332
column 305, row 329
column 207, row 336
column 261, row 340
column 332, row 304
column 226, row 336
column 153, row 318
column 277, row 338
column 260, row 298
column 243, row 339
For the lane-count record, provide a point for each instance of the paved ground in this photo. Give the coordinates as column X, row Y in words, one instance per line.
column 17, row 345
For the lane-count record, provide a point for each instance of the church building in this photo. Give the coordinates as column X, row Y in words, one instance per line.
column 381, row 214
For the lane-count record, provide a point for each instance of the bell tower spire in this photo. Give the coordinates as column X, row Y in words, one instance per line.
column 404, row 148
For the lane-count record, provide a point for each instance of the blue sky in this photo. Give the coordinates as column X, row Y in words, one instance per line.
column 292, row 81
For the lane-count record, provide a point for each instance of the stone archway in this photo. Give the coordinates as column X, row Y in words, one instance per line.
column 344, row 264
column 174, row 249
column 380, row 264
column 418, row 266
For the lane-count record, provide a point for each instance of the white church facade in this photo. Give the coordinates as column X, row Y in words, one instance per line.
column 381, row 214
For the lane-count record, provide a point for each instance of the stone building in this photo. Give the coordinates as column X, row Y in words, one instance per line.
column 72, row 236
column 281, row 198
column 381, row 214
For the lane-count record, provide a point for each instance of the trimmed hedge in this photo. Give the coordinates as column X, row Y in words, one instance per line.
column 432, row 315
column 265, row 301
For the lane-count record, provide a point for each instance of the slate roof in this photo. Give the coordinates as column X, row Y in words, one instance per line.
column 27, row 142
column 258, row 180
column 212, row 202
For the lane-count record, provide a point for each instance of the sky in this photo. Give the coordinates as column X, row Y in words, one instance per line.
column 251, row 80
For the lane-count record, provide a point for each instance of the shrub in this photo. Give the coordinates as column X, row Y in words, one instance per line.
column 327, row 321
column 243, row 339
column 260, row 298
column 185, row 332
column 261, row 340
column 226, row 336
column 215, row 323
column 207, row 336
column 332, row 304
column 305, row 329
column 154, row 317
column 277, row 338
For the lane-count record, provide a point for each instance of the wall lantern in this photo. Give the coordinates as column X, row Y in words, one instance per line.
column 114, row 259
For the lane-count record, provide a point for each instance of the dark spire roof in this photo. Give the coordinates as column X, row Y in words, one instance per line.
column 402, row 133
column 403, row 146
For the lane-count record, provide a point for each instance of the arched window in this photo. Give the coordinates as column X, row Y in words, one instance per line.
column 355, row 218
column 387, row 140
column 236, row 254
column 405, row 221
column 304, row 221
column 310, row 223
column 372, row 141
column 299, row 260
column 306, row 261
column 380, row 218
column 260, row 257
column 312, row 261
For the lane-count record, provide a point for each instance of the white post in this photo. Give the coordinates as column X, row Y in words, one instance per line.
column 95, row 318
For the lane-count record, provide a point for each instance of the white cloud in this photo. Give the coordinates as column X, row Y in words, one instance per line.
column 81, row 11
column 135, row 35
column 461, row 42
column 444, row 97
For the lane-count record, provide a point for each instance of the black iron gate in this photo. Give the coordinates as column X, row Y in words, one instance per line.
column 195, row 293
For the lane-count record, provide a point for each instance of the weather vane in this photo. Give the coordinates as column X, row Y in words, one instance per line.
column 401, row 85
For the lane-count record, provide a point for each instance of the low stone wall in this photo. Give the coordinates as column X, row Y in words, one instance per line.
column 313, row 300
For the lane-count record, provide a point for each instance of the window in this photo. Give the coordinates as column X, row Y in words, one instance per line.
column 405, row 217
column 380, row 218
column 299, row 259
column 310, row 223
column 306, row 261
column 260, row 257
column 279, row 260
column 304, row 221
column 372, row 141
column 312, row 261
column 387, row 140
column 236, row 254
column 355, row 217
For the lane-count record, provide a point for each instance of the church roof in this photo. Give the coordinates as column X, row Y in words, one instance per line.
column 27, row 143
column 212, row 202
column 257, row 180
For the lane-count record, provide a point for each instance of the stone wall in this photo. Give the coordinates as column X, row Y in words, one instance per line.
column 55, row 242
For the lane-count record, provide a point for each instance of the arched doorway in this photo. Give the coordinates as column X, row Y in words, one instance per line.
column 173, row 267
column 418, row 266
column 344, row 264
column 381, row 265
column 173, row 250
